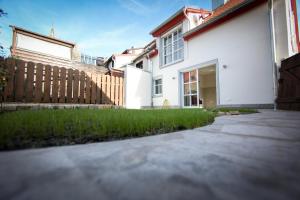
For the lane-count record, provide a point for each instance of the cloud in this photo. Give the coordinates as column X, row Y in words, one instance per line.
column 136, row 7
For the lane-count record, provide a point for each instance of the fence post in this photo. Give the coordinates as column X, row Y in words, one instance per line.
column 69, row 85
column 38, row 83
column 20, row 87
column 75, row 86
column 29, row 81
column 82, row 85
column 9, row 89
column 117, row 97
column 47, row 84
column 55, row 84
column 62, row 85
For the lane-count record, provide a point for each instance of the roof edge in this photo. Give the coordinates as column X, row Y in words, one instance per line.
column 41, row 35
column 189, row 34
column 168, row 19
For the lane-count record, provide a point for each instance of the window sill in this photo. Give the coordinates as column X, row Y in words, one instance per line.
column 173, row 63
column 157, row 95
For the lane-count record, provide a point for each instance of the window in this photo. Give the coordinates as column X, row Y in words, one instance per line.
column 158, row 86
column 173, row 47
column 190, row 88
column 139, row 65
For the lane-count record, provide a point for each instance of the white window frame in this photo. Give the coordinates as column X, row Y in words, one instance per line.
column 189, row 83
column 154, row 86
column 173, row 50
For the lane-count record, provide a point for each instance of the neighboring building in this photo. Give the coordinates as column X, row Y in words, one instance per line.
column 229, row 56
column 142, row 61
column 48, row 50
column 117, row 61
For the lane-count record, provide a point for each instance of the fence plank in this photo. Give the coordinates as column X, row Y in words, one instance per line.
column 108, row 101
column 38, row 83
column 98, row 89
column 29, row 81
column 20, row 86
column 121, row 91
column 55, row 84
column 93, row 89
column 75, row 86
column 62, row 85
column 117, row 101
column 69, row 85
column 103, row 89
column 9, row 88
column 112, row 89
column 82, row 85
column 47, row 84
column 88, row 90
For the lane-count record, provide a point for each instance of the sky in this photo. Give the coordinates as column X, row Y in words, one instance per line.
column 98, row 27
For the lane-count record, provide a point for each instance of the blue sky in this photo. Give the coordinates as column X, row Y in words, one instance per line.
column 100, row 28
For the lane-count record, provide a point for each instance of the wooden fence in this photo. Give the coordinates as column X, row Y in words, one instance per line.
column 289, row 84
column 37, row 83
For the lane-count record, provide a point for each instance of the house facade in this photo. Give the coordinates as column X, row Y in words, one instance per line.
column 227, row 57
column 48, row 50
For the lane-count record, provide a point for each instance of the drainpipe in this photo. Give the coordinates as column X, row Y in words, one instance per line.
column 273, row 51
column 151, row 70
column 189, row 22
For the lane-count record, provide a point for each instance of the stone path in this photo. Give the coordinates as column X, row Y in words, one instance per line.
column 254, row 156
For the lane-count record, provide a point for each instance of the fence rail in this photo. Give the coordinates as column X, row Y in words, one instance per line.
column 38, row 83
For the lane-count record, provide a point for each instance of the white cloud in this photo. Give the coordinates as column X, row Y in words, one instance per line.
column 136, row 7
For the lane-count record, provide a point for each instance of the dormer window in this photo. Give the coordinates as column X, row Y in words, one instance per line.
column 172, row 46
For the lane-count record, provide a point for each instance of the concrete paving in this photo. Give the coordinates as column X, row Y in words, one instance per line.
column 254, row 156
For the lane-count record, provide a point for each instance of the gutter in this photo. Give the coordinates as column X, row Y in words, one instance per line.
column 168, row 20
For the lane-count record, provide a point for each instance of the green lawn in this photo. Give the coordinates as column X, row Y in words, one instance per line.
column 39, row 128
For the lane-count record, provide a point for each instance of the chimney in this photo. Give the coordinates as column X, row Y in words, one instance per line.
column 217, row 3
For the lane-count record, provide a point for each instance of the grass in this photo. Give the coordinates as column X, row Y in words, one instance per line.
column 40, row 128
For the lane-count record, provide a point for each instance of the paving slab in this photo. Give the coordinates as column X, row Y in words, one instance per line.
column 255, row 156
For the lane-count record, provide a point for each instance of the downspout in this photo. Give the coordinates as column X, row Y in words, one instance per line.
column 151, row 80
column 273, row 51
column 189, row 22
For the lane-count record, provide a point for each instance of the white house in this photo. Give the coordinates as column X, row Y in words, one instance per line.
column 49, row 50
column 229, row 56
column 117, row 61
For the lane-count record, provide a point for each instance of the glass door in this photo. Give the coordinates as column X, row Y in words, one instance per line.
column 191, row 89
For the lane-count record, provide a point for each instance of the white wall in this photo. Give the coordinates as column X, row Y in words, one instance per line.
column 158, row 100
column 244, row 45
column 121, row 60
column 137, row 88
column 41, row 46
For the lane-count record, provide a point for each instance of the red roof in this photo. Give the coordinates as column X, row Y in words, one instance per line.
column 220, row 10
column 177, row 18
column 229, row 10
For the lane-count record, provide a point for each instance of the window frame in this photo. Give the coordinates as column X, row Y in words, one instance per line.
column 189, row 82
column 179, row 49
column 155, row 85
column 142, row 64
